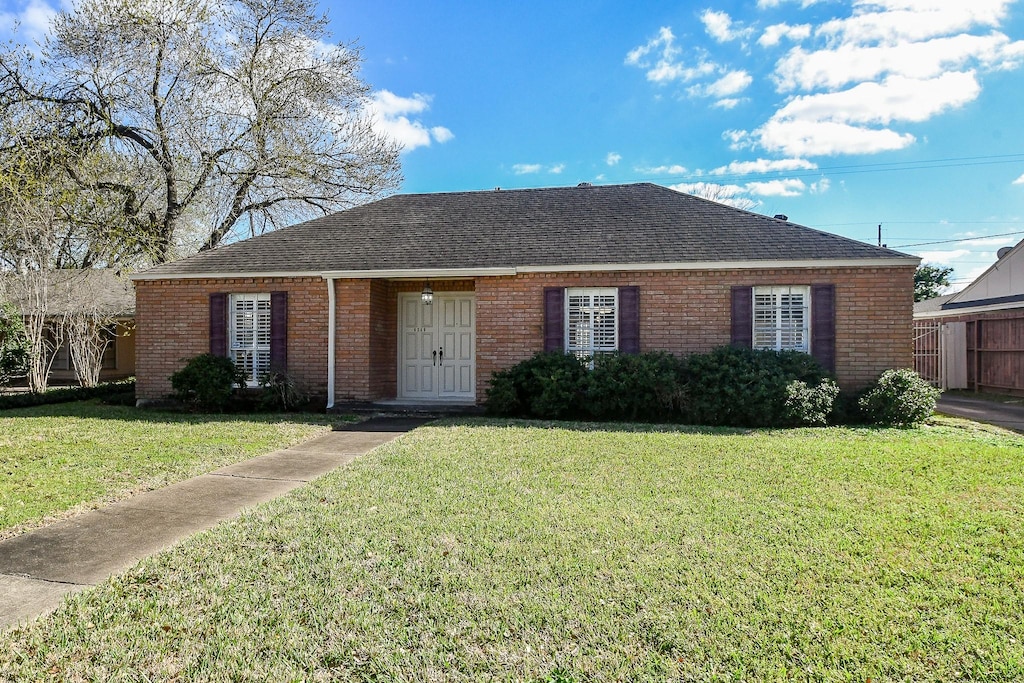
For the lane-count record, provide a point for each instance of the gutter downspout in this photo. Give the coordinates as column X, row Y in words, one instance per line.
column 331, row 320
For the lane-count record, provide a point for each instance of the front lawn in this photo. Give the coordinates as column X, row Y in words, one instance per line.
column 487, row 551
column 57, row 458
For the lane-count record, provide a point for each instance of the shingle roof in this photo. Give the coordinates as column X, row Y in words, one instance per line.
column 566, row 226
column 931, row 305
column 100, row 291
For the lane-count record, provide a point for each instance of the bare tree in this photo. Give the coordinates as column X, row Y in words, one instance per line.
column 723, row 194
column 210, row 118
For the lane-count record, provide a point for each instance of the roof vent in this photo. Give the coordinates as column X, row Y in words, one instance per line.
column 584, row 185
column 781, row 217
column 1003, row 252
column 497, row 189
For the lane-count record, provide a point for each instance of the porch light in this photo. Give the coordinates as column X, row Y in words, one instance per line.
column 427, row 295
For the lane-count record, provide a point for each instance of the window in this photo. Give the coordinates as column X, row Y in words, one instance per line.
column 249, row 322
column 110, row 351
column 782, row 318
column 590, row 321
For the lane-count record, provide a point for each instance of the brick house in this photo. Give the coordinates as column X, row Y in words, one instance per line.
column 420, row 298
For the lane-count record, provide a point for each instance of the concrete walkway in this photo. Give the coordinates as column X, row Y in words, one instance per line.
column 38, row 568
column 1007, row 415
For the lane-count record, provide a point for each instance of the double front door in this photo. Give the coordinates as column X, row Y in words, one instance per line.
column 437, row 347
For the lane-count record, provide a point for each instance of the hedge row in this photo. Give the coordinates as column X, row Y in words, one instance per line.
column 120, row 393
column 728, row 386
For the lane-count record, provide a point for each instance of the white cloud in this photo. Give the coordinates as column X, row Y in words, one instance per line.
column 821, row 186
column 943, row 257
column 895, row 99
column 523, row 169
column 613, row 158
column 730, row 84
column 852, row 62
column 557, row 168
column 894, row 21
column 395, row 117
column 666, row 66
column 763, row 166
column 1020, row 180
column 721, row 27
column 776, row 32
column 824, row 138
column 785, row 187
column 441, row 134
column 727, row 103
column 32, row 21
column 674, row 169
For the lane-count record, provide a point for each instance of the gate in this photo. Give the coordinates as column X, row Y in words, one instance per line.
column 940, row 353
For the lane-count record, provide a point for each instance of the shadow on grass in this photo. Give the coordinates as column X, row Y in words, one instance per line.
column 673, row 428
column 94, row 409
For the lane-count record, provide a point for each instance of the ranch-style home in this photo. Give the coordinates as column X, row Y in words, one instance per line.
column 419, row 298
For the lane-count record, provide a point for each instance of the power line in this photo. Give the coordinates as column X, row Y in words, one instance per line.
column 960, row 239
column 847, row 169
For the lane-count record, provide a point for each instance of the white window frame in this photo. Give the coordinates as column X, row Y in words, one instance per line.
column 779, row 324
column 251, row 353
column 590, row 311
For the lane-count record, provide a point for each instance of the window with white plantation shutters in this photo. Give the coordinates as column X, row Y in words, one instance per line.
column 249, row 322
column 782, row 318
column 591, row 317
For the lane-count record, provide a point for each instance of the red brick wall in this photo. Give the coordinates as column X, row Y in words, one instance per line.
column 680, row 311
column 173, row 324
column 689, row 311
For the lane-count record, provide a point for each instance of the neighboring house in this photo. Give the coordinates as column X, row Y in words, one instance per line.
column 974, row 339
column 340, row 302
column 101, row 292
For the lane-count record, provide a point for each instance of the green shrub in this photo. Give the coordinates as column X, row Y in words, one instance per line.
column 645, row 387
column 207, row 382
column 809, row 406
column 743, row 387
column 123, row 390
column 548, row 386
column 728, row 386
column 14, row 346
column 899, row 398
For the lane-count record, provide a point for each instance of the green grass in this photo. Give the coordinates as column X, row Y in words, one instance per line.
column 483, row 551
column 56, row 459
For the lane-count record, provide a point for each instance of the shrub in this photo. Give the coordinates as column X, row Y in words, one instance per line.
column 744, row 387
column 809, row 406
column 644, row 387
column 280, row 392
column 14, row 346
column 110, row 392
column 207, row 382
column 899, row 398
column 548, row 385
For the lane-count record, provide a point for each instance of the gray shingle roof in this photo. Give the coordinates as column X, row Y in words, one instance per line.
column 95, row 291
column 566, row 226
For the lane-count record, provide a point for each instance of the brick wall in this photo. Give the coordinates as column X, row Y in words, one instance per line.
column 173, row 324
column 689, row 311
column 680, row 311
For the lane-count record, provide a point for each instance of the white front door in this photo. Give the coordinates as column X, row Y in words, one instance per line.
column 437, row 357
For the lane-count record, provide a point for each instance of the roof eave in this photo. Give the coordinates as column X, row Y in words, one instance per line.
column 500, row 271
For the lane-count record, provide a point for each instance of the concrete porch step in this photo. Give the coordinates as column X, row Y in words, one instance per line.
column 432, row 409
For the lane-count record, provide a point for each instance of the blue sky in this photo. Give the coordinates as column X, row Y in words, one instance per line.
column 841, row 115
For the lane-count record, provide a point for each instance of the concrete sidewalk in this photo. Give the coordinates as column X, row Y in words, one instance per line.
column 1007, row 415
column 38, row 568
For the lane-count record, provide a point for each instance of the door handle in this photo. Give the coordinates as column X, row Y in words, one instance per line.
column 435, row 356
column 440, row 358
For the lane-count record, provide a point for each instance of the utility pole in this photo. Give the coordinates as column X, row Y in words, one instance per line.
column 879, row 234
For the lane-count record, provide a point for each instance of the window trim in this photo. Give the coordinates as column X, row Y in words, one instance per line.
column 805, row 328
column 256, row 349
column 591, row 292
